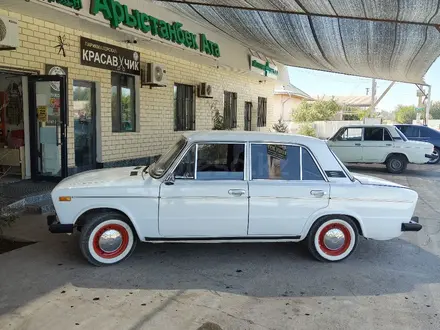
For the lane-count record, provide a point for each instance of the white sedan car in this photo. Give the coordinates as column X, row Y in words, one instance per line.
column 232, row 187
column 383, row 144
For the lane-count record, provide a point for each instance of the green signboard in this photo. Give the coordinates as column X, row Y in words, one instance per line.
column 75, row 4
column 117, row 14
column 420, row 109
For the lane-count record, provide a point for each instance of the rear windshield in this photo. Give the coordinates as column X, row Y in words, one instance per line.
column 346, row 171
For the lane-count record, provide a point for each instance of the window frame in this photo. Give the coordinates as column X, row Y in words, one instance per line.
column 192, row 120
column 196, row 158
column 262, row 117
column 384, row 129
column 301, row 147
column 119, row 87
column 230, row 102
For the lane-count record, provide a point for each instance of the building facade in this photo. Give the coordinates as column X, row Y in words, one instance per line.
column 101, row 84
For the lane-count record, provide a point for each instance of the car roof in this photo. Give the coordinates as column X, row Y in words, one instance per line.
column 239, row 136
column 368, row 125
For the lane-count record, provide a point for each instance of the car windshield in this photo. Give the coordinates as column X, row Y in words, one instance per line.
column 159, row 168
column 403, row 137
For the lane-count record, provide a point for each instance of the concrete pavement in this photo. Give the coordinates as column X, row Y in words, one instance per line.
column 384, row 285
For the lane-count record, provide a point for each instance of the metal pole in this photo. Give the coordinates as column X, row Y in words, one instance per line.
column 373, row 97
column 428, row 105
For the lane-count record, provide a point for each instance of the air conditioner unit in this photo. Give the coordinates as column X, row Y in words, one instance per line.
column 8, row 33
column 154, row 75
column 205, row 90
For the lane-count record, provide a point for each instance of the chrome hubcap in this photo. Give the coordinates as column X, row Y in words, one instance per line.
column 334, row 239
column 396, row 164
column 110, row 241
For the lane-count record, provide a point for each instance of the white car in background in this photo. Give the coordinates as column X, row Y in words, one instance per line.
column 383, row 144
column 232, row 187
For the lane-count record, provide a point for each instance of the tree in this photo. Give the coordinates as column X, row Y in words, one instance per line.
column 316, row 111
column 435, row 110
column 280, row 126
column 307, row 130
column 405, row 114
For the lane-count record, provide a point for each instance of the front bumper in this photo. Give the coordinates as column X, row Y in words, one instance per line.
column 55, row 227
column 413, row 225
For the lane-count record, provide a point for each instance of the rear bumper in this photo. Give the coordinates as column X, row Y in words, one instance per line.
column 430, row 156
column 413, row 225
column 55, row 227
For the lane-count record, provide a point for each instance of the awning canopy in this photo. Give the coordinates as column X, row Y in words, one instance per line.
column 386, row 39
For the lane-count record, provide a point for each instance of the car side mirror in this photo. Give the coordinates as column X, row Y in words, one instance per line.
column 169, row 181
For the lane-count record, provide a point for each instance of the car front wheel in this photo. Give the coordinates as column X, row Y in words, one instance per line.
column 396, row 164
column 107, row 238
column 435, row 160
column 333, row 238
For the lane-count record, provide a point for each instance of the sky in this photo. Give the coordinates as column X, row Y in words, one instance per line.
column 321, row 83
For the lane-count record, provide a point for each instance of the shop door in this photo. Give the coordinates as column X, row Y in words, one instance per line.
column 48, row 124
column 248, row 116
column 84, row 107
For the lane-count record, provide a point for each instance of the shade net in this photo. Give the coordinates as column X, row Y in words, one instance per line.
column 385, row 39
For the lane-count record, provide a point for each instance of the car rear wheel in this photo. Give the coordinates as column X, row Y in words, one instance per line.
column 436, row 153
column 396, row 164
column 107, row 238
column 333, row 238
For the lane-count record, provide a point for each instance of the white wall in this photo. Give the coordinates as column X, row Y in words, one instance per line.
column 325, row 129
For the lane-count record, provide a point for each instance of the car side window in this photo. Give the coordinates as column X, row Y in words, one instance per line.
column 427, row 132
column 220, row 162
column 350, row 134
column 275, row 162
column 373, row 134
column 185, row 169
column 387, row 135
column 310, row 170
column 412, row 131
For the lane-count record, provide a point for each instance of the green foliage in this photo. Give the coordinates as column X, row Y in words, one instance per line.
column 316, row 111
column 81, row 94
column 405, row 114
column 359, row 114
column 280, row 126
column 307, row 130
column 7, row 219
column 435, row 110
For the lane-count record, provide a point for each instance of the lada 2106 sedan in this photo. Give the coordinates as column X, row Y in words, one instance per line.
column 232, row 187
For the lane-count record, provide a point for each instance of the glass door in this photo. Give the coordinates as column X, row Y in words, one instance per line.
column 48, row 124
column 84, row 103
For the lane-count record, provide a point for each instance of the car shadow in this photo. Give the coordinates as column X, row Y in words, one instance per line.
column 258, row 270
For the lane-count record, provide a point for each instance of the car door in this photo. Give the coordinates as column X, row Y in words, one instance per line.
column 209, row 195
column 285, row 189
column 347, row 144
column 377, row 144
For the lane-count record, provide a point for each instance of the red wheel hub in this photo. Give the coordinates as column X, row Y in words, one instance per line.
column 122, row 234
column 343, row 248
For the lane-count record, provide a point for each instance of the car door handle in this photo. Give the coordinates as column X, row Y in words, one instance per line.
column 236, row 192
column 388, row 144
column 357, row 144
column 318, row 193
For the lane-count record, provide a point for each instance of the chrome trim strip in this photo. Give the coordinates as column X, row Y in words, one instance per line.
column 196, row 161
column 300, row 163
column 124, row 197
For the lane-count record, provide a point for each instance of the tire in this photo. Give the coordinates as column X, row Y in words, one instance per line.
column 396, row 164
column 93, row 231
column 316, row 241
column 435, row 161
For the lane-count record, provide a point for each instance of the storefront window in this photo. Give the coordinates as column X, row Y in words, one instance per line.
column 123, row 103
column 184, row 108
column 230, row 110
column 262, row 112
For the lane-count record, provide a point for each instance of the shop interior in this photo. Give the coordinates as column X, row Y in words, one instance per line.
column 12, row 128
